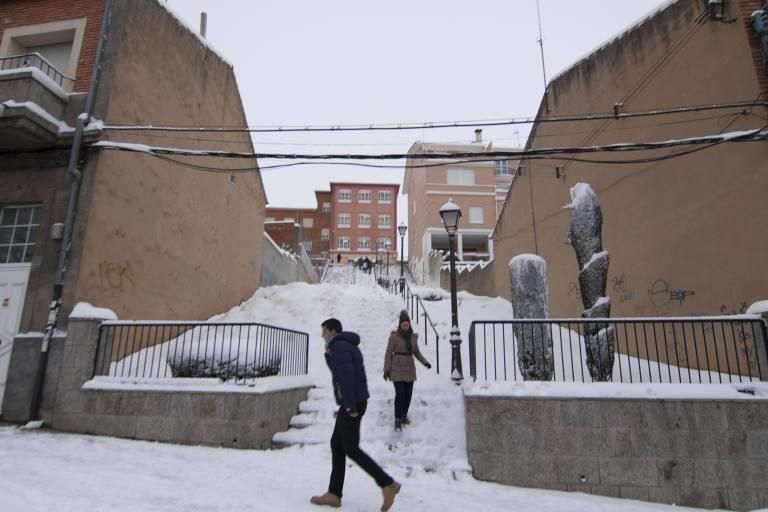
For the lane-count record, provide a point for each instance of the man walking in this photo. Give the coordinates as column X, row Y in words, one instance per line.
column 350, row 389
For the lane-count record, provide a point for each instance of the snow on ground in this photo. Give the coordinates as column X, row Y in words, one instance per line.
column 43, row 471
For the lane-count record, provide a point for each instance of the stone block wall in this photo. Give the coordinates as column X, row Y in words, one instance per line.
column 699, row 453
column 232, row 420
column 239, row 419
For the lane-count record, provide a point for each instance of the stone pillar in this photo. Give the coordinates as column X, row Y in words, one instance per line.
column 761, row 308
column 76, row 369
column 530, row 299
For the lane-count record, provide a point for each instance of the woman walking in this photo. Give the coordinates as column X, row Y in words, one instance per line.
column 399, row 367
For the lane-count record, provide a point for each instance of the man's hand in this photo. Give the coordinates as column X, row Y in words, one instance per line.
column 351, row 414
column 386, row 376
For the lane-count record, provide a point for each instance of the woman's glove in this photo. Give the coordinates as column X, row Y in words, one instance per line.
column 386, row 376
column 429, row 366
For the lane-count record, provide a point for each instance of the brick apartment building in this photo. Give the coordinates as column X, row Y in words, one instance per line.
column 355, row 220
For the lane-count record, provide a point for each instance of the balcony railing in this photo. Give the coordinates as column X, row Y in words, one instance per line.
column 35, row 60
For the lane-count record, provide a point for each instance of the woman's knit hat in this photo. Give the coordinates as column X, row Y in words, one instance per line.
column 404, row 316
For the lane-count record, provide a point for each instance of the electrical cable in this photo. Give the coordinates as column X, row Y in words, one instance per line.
column 453, row 159
column 435, row 125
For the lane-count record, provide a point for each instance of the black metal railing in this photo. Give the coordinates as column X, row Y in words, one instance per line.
column 227, row 351
column 658, row 350
column 418, row 313
column 35, row 60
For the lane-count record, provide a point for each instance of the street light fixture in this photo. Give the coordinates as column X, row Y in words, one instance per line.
column 450, row 213
column 402, row 228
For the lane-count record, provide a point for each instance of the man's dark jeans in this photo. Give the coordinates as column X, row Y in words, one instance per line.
column 345, row 443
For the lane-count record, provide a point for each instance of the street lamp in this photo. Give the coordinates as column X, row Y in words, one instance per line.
column 402, row 228
column 388, row 245
column 450, row 213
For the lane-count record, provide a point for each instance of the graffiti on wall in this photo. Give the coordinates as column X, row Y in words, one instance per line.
column 621, row 289
column 662, row 293
column 574, row 292
column 116, row 275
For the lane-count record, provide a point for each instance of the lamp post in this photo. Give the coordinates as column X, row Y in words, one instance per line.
column 388, row 245
column 450, row 213
column 402, row 228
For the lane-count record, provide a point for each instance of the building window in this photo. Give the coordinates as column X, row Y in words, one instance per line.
column 502, row 168
column 269, row 219
column 18, row 233
column 385, row 221
column 385, row 196
column 56, row 43
column 342, row 242
column 364, row 196
column 364, row 220
column 325, row 234
column 475, row 214
column 461, row 176
column 308, row 222
column 345, row 220
column 381, row 243
column 363, row 243
column 345, row 196
column 289, row 219
column 326, row 207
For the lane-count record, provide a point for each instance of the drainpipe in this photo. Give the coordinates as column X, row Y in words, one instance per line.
column 74, row 192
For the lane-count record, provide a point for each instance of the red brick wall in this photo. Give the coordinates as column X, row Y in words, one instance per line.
column 283, row 234
column 19, row 13
column 746, row 8
column 298, row 215
column 374, row 208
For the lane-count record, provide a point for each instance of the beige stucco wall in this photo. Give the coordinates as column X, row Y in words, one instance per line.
column 165, row 241
column 685, row 235
column 429, row 188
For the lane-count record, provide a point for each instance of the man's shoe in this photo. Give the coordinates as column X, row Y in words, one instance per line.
column 398, row 425
column 389, row 492
column 405, row 420
column 328, row 499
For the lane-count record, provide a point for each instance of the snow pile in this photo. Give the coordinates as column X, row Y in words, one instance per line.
column 85, row 310
column 203, row 41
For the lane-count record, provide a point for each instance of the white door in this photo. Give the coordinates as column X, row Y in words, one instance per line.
column 13, row 287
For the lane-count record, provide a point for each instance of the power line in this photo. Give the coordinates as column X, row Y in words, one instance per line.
column 439, row 124
column 560, row 153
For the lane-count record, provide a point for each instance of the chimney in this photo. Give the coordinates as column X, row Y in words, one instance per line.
column 479, row 135
column 203, row 23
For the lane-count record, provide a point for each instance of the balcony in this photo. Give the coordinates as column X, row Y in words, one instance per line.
column 36, row 111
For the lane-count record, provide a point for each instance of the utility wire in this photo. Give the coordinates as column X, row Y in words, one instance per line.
column 759, row 134
column 439, row 124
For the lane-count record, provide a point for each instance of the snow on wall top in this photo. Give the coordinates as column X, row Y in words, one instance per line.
column 758, row 308
column 85, row 310
column 194, row 32
column 653, row 12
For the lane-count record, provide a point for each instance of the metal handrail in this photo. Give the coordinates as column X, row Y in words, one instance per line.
column 227, row 351
column 38, row 61
column 656, row 350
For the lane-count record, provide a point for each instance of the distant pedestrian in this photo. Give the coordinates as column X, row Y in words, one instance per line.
column 399, row 367
column 350, row 389
column 368, row 264
column 338, row 258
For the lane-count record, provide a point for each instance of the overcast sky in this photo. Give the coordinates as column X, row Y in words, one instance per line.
column 310, row 62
